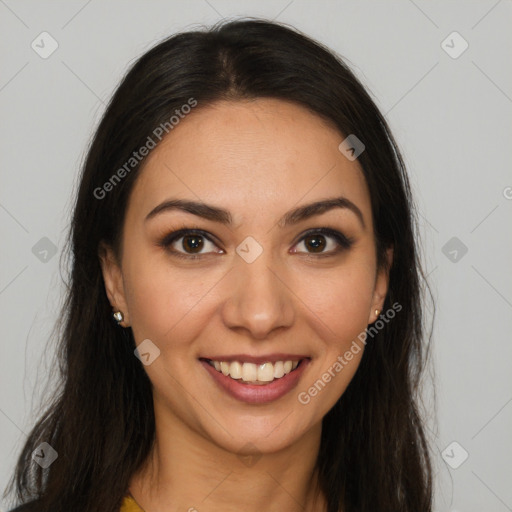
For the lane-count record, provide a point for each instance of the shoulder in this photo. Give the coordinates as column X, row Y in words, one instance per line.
column 31, row 506
column 128, row 505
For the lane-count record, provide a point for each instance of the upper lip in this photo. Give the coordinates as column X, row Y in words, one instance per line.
column 246, row 358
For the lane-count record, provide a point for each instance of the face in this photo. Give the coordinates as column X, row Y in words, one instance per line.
column 260, row 280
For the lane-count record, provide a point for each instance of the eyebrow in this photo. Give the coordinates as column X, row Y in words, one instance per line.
column 223, row 216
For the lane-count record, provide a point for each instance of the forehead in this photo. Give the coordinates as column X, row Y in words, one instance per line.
column 257, row 158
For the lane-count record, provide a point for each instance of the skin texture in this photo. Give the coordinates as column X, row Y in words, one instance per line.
column 258, row 159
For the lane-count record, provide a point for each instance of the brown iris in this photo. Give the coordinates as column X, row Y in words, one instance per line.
column 317, row 242
column 193, row 242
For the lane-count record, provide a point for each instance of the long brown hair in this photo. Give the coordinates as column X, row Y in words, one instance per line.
column 374, row 454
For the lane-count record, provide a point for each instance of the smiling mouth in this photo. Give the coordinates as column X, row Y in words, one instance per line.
column 250, row 373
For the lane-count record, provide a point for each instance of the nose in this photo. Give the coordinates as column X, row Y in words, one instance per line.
column 260, row 301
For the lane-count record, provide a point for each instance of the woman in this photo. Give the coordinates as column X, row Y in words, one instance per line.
column 244, row 328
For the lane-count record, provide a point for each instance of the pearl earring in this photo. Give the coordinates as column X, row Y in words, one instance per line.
column 377, row 312
column 118, row 316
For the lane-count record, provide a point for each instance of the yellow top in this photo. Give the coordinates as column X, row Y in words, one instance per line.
column 130, row 505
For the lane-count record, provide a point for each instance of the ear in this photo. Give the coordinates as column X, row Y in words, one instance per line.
column 381, row 287
column 113, row 279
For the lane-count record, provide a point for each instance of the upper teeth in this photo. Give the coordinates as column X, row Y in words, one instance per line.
column 250, row 372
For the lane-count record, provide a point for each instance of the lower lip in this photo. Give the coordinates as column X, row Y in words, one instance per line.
column 254, row 393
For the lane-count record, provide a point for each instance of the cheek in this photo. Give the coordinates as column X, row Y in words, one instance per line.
column 164, row 302
column 339, row 301
column 338, row 306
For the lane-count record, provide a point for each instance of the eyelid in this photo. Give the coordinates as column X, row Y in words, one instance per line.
column 342, row 240
column 179, row 233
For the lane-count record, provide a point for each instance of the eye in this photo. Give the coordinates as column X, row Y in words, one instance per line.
column 192, row 243
column 188, row 243
column 316, row 241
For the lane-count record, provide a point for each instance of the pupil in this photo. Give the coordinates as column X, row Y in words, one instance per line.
column 195, row 242
column 318, row 242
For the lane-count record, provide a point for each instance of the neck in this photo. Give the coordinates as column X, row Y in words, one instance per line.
column 188, row 471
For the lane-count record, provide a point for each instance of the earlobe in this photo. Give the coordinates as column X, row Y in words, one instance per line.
column 113, row 279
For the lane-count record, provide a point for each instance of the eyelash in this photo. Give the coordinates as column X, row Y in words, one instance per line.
column 344, row 242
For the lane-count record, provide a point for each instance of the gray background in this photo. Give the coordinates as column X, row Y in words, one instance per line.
column 451, row 116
